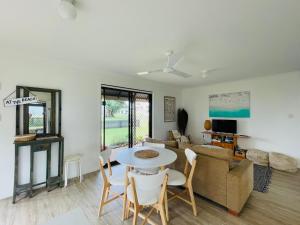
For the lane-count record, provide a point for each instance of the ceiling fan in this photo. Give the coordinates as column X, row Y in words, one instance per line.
column 172, row 61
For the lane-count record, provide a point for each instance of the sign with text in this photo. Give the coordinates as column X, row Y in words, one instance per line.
column 20, row 101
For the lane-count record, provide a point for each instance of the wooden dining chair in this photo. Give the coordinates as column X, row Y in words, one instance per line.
column 108, row 180
column 185, row 179
column 146, row 190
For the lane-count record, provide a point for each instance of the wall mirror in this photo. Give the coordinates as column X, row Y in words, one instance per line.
column 43, row 117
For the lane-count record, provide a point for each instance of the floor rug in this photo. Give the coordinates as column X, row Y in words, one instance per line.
column 262, row 178
column 73, row 217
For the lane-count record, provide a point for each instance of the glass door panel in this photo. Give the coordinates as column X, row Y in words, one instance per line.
column 126, row 118
column 115, row 122
column 141, row 121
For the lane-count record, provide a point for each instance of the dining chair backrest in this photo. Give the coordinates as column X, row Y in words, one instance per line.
column 190, row 165
column 155, row 145
column 104, row 156
column 156, row 183
column 148, row 182
column 190, row 155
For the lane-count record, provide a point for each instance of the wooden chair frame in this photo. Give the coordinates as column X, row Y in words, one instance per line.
column 106, row 188
column 136, row 208
column 189, row 173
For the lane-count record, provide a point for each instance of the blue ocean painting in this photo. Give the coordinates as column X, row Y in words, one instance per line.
column 230, row 105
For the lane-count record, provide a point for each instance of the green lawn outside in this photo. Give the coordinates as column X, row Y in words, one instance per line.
column 116, row 136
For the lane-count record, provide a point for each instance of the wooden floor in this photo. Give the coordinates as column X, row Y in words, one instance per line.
column 280, row 206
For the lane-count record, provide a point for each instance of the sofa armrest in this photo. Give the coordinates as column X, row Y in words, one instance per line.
column 239, row 185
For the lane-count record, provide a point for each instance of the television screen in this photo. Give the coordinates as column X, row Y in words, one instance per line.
column 224, row 126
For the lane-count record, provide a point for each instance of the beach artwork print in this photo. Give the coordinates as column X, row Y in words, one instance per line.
column 230, row 105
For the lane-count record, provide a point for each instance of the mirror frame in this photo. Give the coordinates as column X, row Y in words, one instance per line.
column 53, row 114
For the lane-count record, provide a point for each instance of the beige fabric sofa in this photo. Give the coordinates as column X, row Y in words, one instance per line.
column 215, row 178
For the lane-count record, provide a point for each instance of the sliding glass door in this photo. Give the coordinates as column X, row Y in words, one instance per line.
column 126, row 117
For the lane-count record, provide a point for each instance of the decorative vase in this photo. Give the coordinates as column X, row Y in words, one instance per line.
column 207, row 125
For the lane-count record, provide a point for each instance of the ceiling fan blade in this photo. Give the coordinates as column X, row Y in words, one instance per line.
column 207, row 71
column 210, row 70
column 181, row 74
column 148, row 72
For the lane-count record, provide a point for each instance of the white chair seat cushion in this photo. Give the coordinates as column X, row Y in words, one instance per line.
column 144, row 197
column 176, row 178
column 116, row 180
column 149, row 171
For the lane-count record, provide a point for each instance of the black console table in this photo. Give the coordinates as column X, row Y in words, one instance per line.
column 40, row 144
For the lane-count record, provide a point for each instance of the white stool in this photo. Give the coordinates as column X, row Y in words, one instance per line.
column 72, row 159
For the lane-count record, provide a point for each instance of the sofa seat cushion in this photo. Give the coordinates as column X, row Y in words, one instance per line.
column 258, row 157
column 283, row 162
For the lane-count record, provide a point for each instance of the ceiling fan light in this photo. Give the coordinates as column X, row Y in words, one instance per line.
column 67, row 10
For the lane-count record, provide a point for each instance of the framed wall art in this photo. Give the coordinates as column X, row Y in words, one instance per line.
column 230, row 105
column 169, row 109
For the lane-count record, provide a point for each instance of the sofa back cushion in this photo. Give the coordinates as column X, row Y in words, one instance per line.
column 167, row 143
column 222, row 153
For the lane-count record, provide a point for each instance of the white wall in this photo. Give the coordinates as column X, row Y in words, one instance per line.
column 275, row 111
column 80, row 109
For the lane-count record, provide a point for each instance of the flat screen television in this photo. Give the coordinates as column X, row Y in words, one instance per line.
column 224, row 126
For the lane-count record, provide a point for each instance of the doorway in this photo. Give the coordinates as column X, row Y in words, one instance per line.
column 126, row 117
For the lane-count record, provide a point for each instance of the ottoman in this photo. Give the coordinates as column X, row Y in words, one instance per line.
column 283, row 162
column 258, row 157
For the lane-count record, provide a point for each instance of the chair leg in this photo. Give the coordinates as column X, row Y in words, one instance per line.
column 191, row 192
column 135, row 215
column 166, row 206
column 102, row 200
column 127, row 214
column 66, row 174
column 162, row 215
column 125, row 194
column 80, row 171
column 107, row 193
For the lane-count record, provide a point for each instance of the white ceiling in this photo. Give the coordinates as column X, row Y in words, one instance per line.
column 245, row 38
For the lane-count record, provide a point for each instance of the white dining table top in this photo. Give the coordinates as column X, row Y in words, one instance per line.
column 126, row 157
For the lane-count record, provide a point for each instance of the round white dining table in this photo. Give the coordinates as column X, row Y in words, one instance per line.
column 126, row 157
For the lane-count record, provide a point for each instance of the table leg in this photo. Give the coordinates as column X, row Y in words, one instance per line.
column 125, row 193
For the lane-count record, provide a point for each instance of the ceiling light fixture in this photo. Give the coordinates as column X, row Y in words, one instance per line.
column 143, row 73
column 67, row 10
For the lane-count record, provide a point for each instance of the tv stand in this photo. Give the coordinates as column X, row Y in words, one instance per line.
column 226, row 140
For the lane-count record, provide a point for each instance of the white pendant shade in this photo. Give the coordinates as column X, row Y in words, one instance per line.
column 67, row 10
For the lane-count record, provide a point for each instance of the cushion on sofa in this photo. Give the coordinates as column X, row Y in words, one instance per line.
column 167, row 143
column 258, row 157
